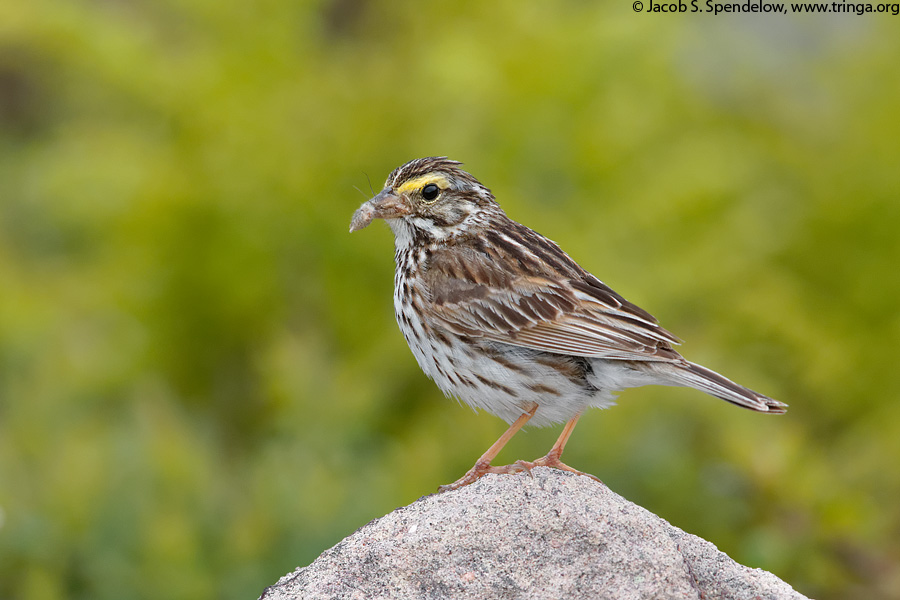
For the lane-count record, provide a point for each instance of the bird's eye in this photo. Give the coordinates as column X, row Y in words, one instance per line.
column 430, row 191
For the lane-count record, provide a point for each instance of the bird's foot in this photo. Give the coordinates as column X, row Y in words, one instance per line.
column 483, row 468
column 550, row 460
column 480, row 469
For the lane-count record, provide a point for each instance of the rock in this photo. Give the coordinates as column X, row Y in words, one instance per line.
column 553, row 535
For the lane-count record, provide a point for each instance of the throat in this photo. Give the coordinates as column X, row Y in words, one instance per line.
column 403, row 234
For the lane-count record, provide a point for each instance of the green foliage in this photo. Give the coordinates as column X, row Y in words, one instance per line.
column 201, row 384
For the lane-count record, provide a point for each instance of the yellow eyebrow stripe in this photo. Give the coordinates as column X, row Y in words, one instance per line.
column 423, row 180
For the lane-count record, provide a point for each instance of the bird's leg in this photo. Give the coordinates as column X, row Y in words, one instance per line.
column 483, row 465
column 552, row 457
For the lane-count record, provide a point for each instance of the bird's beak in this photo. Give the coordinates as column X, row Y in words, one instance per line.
column 386, row 205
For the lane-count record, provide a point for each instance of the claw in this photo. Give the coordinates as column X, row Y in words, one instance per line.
column 481, row 469
column 551, row 460
column 474, row 474
column 483, row 465
column 524, row 465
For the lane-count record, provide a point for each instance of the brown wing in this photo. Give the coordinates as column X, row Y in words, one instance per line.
column 488, row 291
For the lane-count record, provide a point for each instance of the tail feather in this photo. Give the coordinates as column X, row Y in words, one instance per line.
column 692, row 375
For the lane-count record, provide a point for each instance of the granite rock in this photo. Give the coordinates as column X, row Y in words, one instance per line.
column 549, row 535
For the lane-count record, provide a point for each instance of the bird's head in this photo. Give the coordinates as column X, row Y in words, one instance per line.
column 430, row 197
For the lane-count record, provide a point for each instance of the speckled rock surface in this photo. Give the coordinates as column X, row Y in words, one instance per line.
column 554, row 535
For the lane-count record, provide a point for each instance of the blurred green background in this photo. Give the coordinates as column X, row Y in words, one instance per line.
column 201, row 382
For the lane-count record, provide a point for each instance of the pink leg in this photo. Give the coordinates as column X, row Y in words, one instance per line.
column 483, row 465
column 552, row 457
